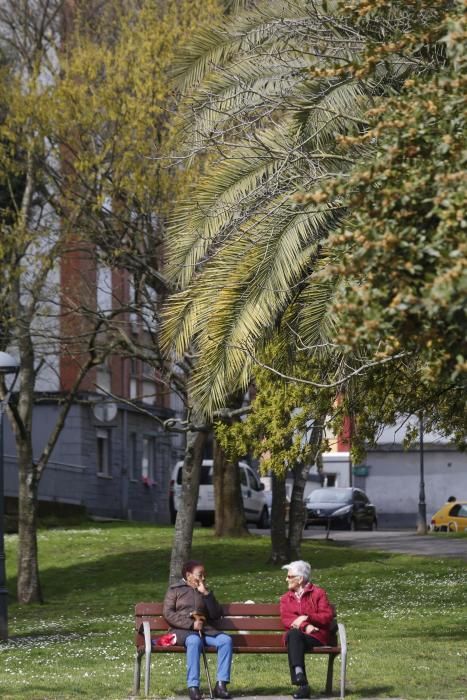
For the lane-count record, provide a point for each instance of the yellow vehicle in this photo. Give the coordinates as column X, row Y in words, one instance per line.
column 452, row 517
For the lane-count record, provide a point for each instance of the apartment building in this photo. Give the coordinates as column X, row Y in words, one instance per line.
column 113, row 457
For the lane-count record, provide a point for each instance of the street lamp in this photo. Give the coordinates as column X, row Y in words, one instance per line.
column 8, row 366
column 421, row 519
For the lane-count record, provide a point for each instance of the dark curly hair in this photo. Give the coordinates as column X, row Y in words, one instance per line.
column 189, row 566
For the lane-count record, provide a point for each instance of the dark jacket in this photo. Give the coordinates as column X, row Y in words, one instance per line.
column 315, row 604
column 181, row 600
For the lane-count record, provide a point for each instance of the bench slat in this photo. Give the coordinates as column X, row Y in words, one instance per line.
column 242, row 609
column 249, row 650
column 149, row 609
column 249, row 609
column 226, row 623
column 257, row 640
column 270, row 624
column 236, row 650
column 156, row 623
column 271, row 641
column 267, row 642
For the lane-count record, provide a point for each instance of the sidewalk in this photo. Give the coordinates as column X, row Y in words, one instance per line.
column 397, row 541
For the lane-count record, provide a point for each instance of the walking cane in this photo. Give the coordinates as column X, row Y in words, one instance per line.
column 200, row 617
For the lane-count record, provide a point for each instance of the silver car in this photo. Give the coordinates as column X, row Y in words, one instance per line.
column 254, row 499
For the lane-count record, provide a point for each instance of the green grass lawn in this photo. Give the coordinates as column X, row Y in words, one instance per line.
column 405, row 616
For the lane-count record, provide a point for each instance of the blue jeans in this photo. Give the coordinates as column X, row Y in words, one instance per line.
column 194, row 644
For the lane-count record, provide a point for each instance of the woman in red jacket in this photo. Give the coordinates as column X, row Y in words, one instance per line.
column 307, row 615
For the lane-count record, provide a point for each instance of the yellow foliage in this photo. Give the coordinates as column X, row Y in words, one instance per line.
column 107, row 110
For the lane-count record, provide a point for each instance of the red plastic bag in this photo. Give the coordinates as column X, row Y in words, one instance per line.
column 167, row 640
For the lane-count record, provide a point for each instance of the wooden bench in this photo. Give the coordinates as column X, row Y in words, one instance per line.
column 262, row 631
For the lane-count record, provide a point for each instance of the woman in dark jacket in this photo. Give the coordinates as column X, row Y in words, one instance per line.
column 307, row 614
column 191, row 595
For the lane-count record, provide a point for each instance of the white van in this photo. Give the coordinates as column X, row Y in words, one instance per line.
column 254, row 501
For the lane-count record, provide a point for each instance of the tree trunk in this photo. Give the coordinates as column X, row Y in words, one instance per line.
column 279, row 554
column 230, row 518
column 297, row 507
column 183, row 536
column 28, row 586
column 297, row 511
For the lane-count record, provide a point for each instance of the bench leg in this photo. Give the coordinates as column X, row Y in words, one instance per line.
column 343, row 667
column 147, row 651
column 343, row 642
column 330, row 673
column 137, row 674
column 147, row 675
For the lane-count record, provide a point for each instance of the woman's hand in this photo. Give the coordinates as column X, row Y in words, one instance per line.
column 197, row 580
column 298, row 622
column 309, row 629
column 198, row 625
column 202, row 587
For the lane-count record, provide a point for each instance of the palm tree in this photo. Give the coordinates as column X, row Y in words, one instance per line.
column 241, row 252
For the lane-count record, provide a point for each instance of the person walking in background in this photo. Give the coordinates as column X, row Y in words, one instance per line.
column 190, row 608
column 307, row 614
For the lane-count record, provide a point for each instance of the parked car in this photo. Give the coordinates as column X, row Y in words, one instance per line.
column 254, row 500
column 348, row 508
column 452, row 517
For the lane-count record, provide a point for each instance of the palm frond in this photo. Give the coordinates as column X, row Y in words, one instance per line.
column 239, row 323
column 179, row 322
column 223, row 107
column 246, row 293
column 327, row 108
column 215, row 46
column 315, row 323
column 236, row 185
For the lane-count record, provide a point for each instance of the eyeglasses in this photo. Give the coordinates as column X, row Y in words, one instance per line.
column 293, row 576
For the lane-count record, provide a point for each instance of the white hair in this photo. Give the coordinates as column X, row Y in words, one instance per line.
column 299, row 568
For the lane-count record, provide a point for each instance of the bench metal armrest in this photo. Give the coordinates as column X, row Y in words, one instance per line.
column 343, row 643
column 342, row 637
column 147, row 637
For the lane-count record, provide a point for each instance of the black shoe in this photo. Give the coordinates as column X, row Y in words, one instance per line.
column 193, row 693
column 300, row 679
column 220, row 691
column 302, row 692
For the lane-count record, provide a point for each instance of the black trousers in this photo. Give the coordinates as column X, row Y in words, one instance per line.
column 297, row 644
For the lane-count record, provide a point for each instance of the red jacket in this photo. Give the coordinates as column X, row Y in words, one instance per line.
column 315, row 604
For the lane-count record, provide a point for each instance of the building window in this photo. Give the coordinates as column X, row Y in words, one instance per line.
column 103, row 452
column 147, row 461
column 133, row 378
column 133, row 301
column 149, row 392
column 132, row 465
column 104, row 289
column 133, row 388
column 149, row 304
column 148, row 384
column 103, row 380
